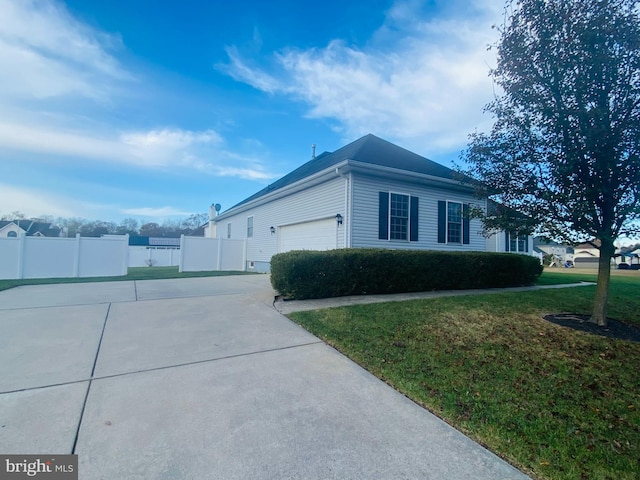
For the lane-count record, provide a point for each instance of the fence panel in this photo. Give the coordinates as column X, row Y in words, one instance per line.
column 199, row 254
column 103, row 257
column 232, row 254
column 141, row 256
column 46, row 257
column 9, row 257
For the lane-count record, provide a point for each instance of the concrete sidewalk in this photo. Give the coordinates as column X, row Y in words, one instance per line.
column 288, row 306
column 203, row 378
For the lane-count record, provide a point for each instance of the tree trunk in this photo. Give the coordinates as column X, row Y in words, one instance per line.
column 599, row 315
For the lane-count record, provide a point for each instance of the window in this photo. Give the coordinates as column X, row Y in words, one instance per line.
column 12, row 234
column 453, row 222
column 229, row 230
column 249, row 227
column 397, row 217
column 515, row 242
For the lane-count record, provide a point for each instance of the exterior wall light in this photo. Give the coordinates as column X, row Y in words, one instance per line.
column 272, row 229
column 339, row 219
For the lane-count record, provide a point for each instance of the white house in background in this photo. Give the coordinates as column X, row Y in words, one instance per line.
column 370, row 193
column 29, row 228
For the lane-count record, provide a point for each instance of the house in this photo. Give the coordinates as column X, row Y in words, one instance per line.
column 559, row 252
column 29, row 228
column 369, row 193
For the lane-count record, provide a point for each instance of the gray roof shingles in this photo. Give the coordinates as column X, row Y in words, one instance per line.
column 368, row 149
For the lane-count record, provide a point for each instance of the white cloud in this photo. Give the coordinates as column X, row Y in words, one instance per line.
column 39, row 138
column 168, row 149
column 167, row 146
column 240, row 71
column 245, row 173
column 35, row 203
column 422, row 80
column 202, row 151
column 159, row 212
column 45, row 52
column 52, row 63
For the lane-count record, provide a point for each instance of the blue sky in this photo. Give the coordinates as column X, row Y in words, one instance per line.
column 154, row 109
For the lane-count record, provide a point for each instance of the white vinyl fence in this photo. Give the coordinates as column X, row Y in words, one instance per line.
column 47, row 257
column 201, row 254
column 141, row 256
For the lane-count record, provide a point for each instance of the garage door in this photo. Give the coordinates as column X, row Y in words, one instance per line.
column 318, row 235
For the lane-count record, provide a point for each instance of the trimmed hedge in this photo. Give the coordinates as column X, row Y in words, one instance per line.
column 305, row 274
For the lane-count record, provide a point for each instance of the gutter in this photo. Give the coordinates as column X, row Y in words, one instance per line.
column 306, row 182
column 340, row 169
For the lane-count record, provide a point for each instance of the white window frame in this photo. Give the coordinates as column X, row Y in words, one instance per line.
column 250, row 227
column 518, row 238
column 460, row 242
column 408, row 229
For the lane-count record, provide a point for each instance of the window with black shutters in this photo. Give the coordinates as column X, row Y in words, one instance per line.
column 398, row 217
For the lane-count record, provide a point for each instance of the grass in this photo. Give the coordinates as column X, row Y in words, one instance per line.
column 134, row 273
column 557, row 403
column 554, row 276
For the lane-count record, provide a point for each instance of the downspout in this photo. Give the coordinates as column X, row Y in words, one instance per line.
column 347, row 204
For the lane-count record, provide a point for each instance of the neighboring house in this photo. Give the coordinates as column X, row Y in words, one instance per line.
column 561, row 253
column 29, row 228
column 370, row 193
column 586, row 255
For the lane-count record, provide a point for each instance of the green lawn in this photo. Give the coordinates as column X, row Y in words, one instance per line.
column 557, row 403
column 134, row 273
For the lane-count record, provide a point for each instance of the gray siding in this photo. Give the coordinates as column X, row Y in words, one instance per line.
column 364, row 226
column 315, row 203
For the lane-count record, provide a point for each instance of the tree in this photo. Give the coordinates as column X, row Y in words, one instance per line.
column 128, row 226
column 97, row 228
column 152, row 229
column 564, row 149
column 193, row 223
column 15, row 215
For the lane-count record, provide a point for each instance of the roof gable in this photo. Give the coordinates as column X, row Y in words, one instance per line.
column 33, row 227
column 370, row 150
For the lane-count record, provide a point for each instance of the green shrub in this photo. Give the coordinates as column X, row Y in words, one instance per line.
column 304, row 274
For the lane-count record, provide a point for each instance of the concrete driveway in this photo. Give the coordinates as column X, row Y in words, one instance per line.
column 203, row 379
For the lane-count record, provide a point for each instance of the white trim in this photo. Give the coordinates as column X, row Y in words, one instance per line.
column 252, row 226
column 348, row 166
column 446, row 225
column 408, row 218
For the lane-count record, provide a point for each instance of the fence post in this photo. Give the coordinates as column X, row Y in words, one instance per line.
column 219, row 259
column 76, row 257
column 125, row 257
column 181, row 262
column 20, row 272
column 244, row 255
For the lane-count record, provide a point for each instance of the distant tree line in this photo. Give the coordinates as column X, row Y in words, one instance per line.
column 129, row 226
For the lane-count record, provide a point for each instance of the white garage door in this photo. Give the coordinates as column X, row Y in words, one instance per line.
column 318, row 235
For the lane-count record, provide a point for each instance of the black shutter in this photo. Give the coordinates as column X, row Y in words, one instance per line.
column 507, row 243
column 465, row 224
column 442, row 221
column 383, row 216
column 413, row 224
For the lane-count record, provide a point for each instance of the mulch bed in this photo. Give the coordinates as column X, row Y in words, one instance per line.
column 614, row 329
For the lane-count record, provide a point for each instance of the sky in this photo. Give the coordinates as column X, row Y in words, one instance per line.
column 156, row 109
